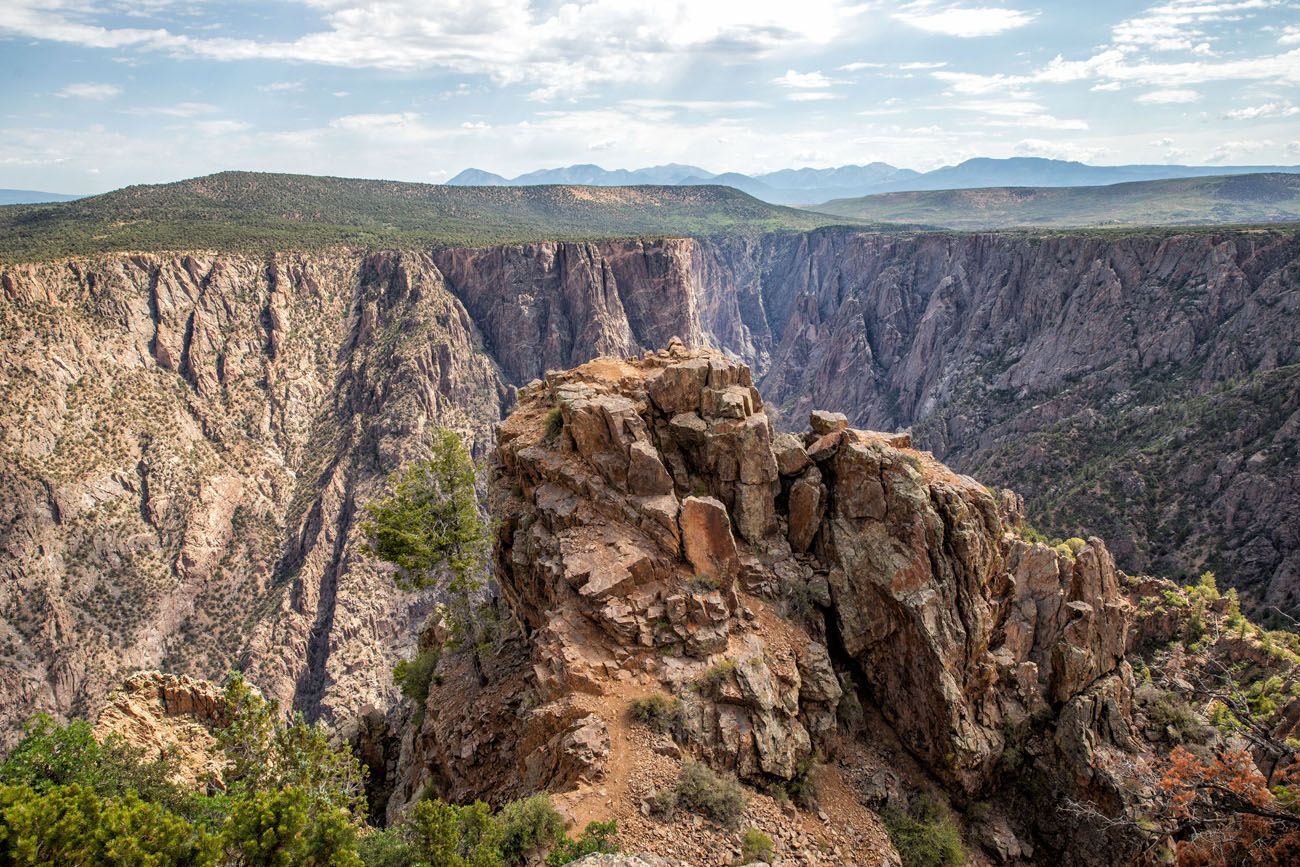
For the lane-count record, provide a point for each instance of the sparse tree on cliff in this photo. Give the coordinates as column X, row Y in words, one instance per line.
column 429, row 527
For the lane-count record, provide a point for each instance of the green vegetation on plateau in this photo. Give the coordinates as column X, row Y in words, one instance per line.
column 249, row 211
column 1259, row 198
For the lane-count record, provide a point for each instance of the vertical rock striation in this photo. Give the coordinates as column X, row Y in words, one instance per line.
column 186, row 440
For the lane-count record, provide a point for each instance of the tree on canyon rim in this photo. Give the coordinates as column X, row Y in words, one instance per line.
column 429, row 526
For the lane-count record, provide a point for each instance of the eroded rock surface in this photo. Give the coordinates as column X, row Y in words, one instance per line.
column 165, row 715
column 915, row 584
column 187, row 438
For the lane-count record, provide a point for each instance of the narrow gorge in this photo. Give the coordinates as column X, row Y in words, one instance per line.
column 189, row 438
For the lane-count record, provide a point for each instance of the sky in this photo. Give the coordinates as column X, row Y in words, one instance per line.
column 98, row 94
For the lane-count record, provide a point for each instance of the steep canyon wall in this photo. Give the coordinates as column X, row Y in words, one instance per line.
column 187, row 440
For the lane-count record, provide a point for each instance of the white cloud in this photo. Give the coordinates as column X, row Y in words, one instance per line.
column 1055, row 150
column 810, row 80
column 811, row 96
column 1113, row 66
column 859, row 65
column 807, row 86
column 57, row 21
column 1238, row 149
column 1106, row 87
column 564, row 50
column 1181, row 25
column 89, row 90
column 962, row 21
column 281, row 87
column 923, row 65
column 709, row 105
column 1172, row 96
column 1268, row 109
column 1017, row 112
column 219, row 127
column 370, row 122
column 1290, row 35
column 180, row 109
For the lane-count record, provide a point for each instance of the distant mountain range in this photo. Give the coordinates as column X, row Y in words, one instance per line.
column 1252, row 198
column 809, row 186
column 786, row 187
column 32, row 197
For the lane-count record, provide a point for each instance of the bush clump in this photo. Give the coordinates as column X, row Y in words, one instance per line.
column 803, row 787
column 553, row 424
column 471, row 835
column 754, row 846
column 290, row 796
column 716, row 676
column 659, row 713
column 924, row 836
column 1070, row 547
column 699, row 790
column 1170, row 713
column 527, row 826
column 701, row 583
column 1032, row 535
column 598, row 838
column 849, row 712
column 414, row 676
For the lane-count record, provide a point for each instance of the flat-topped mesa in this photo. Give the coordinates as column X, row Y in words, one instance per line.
column 648, row 506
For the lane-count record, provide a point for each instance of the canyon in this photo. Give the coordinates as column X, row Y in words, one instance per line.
column 188, row 438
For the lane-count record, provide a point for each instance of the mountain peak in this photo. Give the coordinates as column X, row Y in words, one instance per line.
column 477, row 178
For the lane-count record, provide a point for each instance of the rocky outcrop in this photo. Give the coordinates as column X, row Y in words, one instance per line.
column 1163, row 363
column 1161, row 360
column 162, row 715
column 623, row 861
column 918, row 587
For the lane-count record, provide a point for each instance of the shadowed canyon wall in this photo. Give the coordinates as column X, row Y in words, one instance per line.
column 187, row 440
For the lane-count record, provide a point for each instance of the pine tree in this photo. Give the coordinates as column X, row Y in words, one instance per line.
column 429, row 527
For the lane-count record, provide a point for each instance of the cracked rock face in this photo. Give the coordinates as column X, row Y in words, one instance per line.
column 960, row 630
column 165, row 715
column 187, row 438
column 192, row 437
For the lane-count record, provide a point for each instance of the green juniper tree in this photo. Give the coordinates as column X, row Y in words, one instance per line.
column 429, row 527
column 268, row 753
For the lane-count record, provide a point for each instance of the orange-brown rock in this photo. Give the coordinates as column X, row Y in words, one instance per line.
column 920, row 590
column 706, row 537
column 165, row 715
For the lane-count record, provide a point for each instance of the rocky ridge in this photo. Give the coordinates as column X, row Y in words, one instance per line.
column 657, row 537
